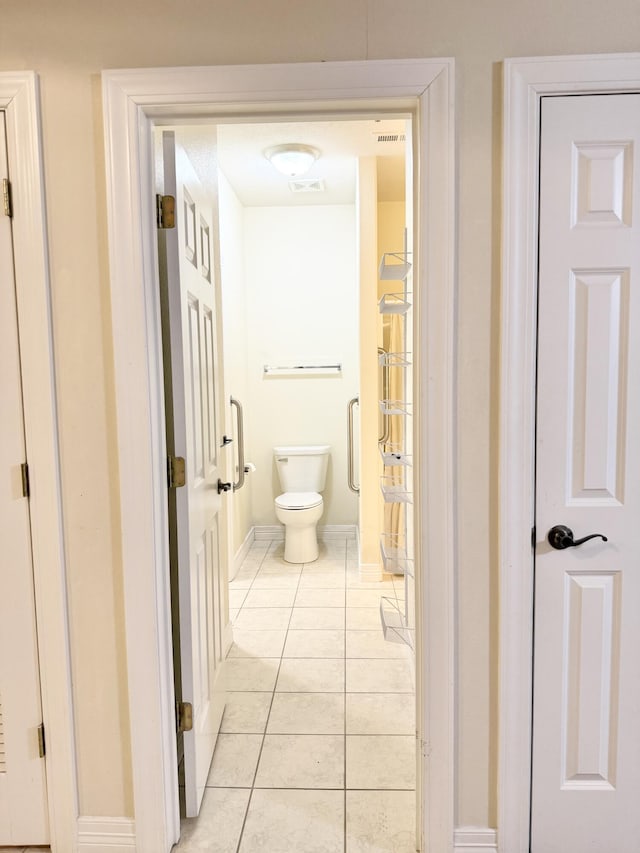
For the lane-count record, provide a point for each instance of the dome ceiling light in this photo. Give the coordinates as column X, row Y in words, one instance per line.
column 292, row 159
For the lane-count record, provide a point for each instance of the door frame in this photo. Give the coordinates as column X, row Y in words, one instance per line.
column 20, row 100
column 526, row 82
column 134, row 101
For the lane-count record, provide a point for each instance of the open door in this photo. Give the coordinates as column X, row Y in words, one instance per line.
column 194, row 416
column 23, row 796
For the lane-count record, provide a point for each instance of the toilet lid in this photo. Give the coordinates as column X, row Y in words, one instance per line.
column 298, row 500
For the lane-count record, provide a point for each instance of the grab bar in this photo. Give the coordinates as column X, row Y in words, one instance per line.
column 386, row 424
column 297, row 368
column 352, row 485
column 240, row 428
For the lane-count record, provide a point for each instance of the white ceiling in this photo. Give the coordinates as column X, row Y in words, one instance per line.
column 256, row 182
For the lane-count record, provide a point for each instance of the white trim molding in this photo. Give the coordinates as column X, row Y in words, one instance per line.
column 370, row 572
column 268, row 532
column 19, row 98
column 106, row 834
column 326, row 532
column 471, row 839
column 135, row 101
column 242, row 552
column 526, row 81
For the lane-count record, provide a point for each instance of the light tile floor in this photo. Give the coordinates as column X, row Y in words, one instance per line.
column 316, row 752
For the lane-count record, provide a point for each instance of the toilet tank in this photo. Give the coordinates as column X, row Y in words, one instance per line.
column 302, row 468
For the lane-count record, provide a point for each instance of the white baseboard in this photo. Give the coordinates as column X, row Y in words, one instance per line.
column 227, row 638
column 242, row 552
column 269, row 531
column 106, row 834
column 336, row 531
column 370, row 572
column 325, row 532
column 472, row 839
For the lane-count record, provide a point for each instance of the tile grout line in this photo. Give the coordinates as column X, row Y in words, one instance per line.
column 344, row 691
column 266, row 724
column 344, row 806
column 246, row 811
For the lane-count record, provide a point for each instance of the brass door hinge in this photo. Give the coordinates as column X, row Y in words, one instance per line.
column 184, row 716
column 6, row 197
column 24, row 470
column 166, row 211
column 176, row 472
column 42, row 747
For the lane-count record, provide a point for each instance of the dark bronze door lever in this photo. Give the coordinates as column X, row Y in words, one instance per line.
column 561, row 537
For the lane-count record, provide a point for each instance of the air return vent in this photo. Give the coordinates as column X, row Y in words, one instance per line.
column 307, row 185
column 390, row 137
column 3, row 754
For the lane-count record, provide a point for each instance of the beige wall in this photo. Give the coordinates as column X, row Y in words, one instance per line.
column 368, row 466
column 234, row 310
column 68, row 42
column 300, row 264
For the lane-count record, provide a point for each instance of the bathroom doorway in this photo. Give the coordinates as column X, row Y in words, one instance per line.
column 136, row 101
column 314, row 273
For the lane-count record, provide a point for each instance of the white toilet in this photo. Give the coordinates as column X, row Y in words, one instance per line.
column 302, row 471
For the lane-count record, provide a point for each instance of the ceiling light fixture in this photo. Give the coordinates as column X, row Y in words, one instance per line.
column 292, row 159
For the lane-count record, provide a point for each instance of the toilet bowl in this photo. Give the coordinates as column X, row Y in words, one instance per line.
column 302, row 471
column 300, row 512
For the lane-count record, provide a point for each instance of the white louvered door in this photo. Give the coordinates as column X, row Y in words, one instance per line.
column 194, row 396
column 586, row 741
column 23, row 801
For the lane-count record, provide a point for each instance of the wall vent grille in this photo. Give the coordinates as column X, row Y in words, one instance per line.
column 390, row 137
column 3, row 754
column 307, row 185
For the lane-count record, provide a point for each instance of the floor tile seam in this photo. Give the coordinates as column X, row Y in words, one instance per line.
column 315, row 657
column 348, row 734
column 305, row 734
column 384, row 692
column 264, row 734
column 307, row 788
column 344, row 798
column 373, row 657
column 345, row 735
column 244, row 819
column 341, row 789
column 310, row 734
column 385, row 735
column 384, row 790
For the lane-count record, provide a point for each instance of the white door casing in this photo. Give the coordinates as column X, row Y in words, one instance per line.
column 586, row 686
column 23, row 795
column 195, row 362
column 526, row 82
column 134, row 101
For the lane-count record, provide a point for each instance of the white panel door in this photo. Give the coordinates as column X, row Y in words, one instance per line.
column 23, row 802
column 586, row 740
column 194, row 394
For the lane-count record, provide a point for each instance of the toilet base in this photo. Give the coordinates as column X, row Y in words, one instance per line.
column 300, row 544
column 300, row 539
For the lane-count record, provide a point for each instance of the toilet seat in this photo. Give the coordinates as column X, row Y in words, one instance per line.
column 298, row 500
